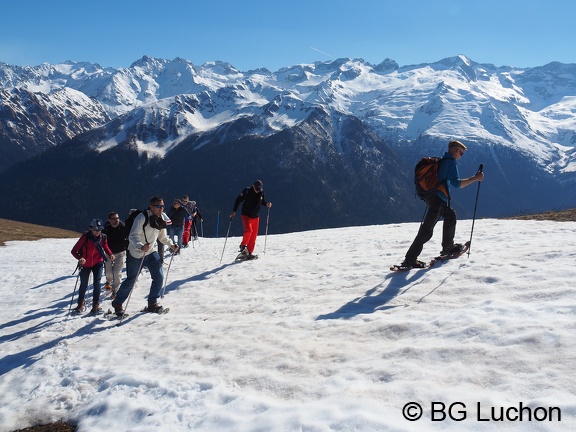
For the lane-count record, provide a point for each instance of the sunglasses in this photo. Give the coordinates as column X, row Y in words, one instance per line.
column 159, row 206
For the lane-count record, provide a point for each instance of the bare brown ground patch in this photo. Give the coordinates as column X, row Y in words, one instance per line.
column 13, row 230
column 52, row 427
column 559, row 216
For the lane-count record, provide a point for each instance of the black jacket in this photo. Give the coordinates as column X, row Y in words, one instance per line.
column 177, row 216
column 117, row 237
column 252, row 201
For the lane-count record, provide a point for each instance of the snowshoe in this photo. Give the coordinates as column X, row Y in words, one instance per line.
column 405, row 266
column 156, row 308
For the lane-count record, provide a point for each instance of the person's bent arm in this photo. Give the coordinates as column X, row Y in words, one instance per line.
column 479, row 176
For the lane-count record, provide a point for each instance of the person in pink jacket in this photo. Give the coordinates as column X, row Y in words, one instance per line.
column 91, row 251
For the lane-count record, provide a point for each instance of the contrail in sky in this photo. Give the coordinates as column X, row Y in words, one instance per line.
column 322, row 52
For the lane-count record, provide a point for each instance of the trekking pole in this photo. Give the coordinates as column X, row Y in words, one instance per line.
column 166, row 278
column 266, row 236
column 480, row 169
column 132, row 289
column 78, row 267
column 229, row 225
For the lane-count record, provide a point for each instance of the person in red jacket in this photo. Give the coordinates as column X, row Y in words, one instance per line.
column 91, row 251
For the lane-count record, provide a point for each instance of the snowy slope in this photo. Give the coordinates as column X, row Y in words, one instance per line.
column 316, row 335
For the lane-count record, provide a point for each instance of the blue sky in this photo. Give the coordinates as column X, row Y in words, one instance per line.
column 257, row 33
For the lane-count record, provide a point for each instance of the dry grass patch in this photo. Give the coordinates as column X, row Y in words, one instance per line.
column 559, row 216
column 13, row 230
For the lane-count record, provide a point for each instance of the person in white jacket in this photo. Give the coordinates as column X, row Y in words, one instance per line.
column 148, row 228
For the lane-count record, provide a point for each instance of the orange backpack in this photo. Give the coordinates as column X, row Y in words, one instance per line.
column 426, row 177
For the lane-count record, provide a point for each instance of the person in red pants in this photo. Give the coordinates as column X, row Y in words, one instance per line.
column 187, row 204
column 252, row 198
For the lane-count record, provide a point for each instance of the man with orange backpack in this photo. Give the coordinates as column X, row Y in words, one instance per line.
column 439, row 207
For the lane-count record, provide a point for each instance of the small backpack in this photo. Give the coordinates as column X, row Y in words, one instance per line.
column 426, row 177
column 155, row 222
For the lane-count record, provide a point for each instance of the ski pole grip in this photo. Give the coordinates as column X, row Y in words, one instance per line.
column 481, row 168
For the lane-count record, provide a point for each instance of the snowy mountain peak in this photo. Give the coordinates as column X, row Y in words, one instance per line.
column 157, row 104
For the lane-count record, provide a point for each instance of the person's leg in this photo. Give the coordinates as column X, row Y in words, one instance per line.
column 109, row 268
column 448, row 228
column 254, row 224
column 194, row 230
column 179, row 231
column 186, row 235
column 97, row 276
column 133, row 266
column 247, row 231
column 117, row 270
column 157, row 274
column 435, row 210
column 84, row 276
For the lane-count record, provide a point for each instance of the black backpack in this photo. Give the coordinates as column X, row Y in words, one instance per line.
column 155, row 222
column 426, row 177
column 130, row 220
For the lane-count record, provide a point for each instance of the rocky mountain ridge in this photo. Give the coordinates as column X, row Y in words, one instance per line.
column 518, row 122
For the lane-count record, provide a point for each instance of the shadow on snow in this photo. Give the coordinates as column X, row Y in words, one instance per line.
column 375, row 300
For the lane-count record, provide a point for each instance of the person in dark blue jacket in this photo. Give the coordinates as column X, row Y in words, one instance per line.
column 439, row 206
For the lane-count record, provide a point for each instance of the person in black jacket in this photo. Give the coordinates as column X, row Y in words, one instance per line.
column 178, row 214
column 118, row 242
column 196, row 216
column 252, row 198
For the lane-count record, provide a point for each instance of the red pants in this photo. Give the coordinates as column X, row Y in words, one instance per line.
column 186, row 234
column 250, row 232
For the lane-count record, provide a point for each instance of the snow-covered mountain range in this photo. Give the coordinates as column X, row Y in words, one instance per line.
column 519, row 122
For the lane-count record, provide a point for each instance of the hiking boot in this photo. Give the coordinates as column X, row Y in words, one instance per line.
column 118, row 309
column 413, row 264
column 80, row 307
column 96, row 309
column 108, row 286
column 455, row 248
column 155, row 308
column 251, row 257
column 244, row 250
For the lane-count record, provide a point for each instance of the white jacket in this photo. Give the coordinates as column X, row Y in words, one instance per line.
column 137, row 238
